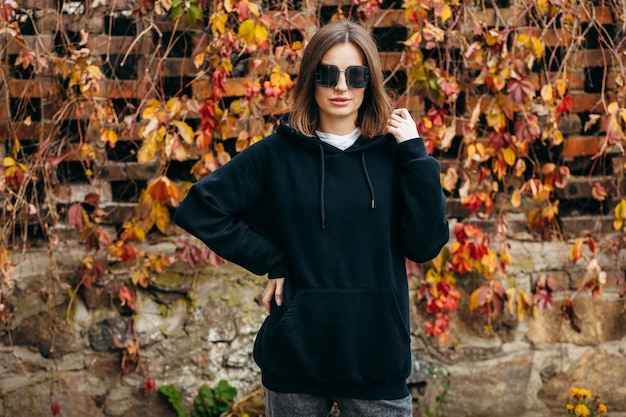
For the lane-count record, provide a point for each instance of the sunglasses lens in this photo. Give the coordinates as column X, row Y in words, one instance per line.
column 326, row 75
column 357, row 76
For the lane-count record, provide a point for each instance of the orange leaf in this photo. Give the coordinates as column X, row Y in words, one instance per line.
column 163, row 189
column 161, row 216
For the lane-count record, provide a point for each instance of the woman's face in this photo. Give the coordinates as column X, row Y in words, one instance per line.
column 339, row 105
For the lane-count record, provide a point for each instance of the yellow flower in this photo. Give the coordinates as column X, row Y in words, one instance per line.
column 569, row 407
column 602, row 408
column 581, row 410
column 580, row 393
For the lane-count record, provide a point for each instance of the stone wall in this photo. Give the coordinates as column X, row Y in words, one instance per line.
column 197, row 327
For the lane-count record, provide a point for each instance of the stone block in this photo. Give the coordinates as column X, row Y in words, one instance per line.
column 600, row 322
column 596, row 370
column 75, row 193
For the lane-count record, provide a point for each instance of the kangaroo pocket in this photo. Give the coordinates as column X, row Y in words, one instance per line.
column 342, row 335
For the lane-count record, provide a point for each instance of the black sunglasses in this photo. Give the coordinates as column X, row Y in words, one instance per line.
column 357, row 76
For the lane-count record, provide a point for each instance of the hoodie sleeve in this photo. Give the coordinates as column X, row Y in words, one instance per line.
column 422, row 205
column 212, row 211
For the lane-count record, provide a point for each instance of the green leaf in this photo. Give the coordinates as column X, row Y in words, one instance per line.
column 172, row 394
column 193, row 15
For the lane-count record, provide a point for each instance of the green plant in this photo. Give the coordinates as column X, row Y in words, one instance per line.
column 210, row 402
column 585, row 404
column 436, row 395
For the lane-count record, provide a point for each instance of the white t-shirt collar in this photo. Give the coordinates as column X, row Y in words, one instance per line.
column 342, row 142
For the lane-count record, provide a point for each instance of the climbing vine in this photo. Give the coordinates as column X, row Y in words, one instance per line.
column 489, row 87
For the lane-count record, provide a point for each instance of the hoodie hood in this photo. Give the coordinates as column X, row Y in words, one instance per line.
column 315, row 144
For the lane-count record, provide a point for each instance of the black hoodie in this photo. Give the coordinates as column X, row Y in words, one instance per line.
column 337, row 225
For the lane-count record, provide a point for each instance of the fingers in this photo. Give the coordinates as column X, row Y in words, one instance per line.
column 401, row 125
column 273, row 290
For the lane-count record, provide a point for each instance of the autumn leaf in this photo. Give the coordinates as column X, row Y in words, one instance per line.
column 246, row 31
column 77, row 216
column 140, row 278
column 620, row 215
column 163, row 189
column 127, row 297
column 598, row 192
column 577, row 250
column 132, row 233
column 516, row 198
column 161, row 216
column 521, row 90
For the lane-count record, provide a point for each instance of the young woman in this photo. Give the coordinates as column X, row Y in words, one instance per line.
column 329, row 207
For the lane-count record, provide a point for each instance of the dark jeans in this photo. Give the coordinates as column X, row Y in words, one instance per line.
column 278, row 404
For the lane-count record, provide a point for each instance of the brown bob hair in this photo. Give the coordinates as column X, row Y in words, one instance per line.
column 377, row 103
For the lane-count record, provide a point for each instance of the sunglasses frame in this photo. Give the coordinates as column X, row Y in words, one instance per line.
column 349, row 81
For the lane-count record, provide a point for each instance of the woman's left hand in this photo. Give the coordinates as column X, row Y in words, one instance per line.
column 402, row 126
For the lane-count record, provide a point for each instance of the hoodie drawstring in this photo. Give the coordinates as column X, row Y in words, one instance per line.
column 367, row 177
column 322, row 209
column 323, row 180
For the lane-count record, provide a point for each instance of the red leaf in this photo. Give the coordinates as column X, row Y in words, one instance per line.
column 127, row 297
column 565, row 105
column 76, row 216
column 149, row 384
column 55, row 407
column 571, row 316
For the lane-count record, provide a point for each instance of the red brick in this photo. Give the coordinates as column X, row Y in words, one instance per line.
column 597, row 14
column 37, row 4
column 575, row 146
column 44, row 41
column 38, row 88
column 581, row 187
column 122, row 89
column 121, row 45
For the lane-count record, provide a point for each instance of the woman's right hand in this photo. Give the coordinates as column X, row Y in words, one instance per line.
column 273, row 290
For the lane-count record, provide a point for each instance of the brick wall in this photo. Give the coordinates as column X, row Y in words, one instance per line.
column 127, row 45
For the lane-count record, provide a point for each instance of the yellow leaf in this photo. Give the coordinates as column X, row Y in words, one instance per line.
column 8, row 161
column 184, row 131
column 228, row 5
column 510, row 301
column 577, row 250
column 140, row 278
column 521, row 305
column 446, row 13
column 147, row 151
column 561, row 87
column 473, row 300
column 620, row 215
column 612, row 108
column 557, row 139
column 516, row 198
column 161, row 216
column 547, row 95
column 509, row 156
column 174, row 106
column 260, row 34
column 151, row 109
column 198, row 60
column 246, row 31
column 109, row 136
column 94, row 71
column 538, row 47
column 218, row 22
column 491, row 37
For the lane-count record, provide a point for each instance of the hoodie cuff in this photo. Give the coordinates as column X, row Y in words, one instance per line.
column 412, row 149
column 278, row 271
